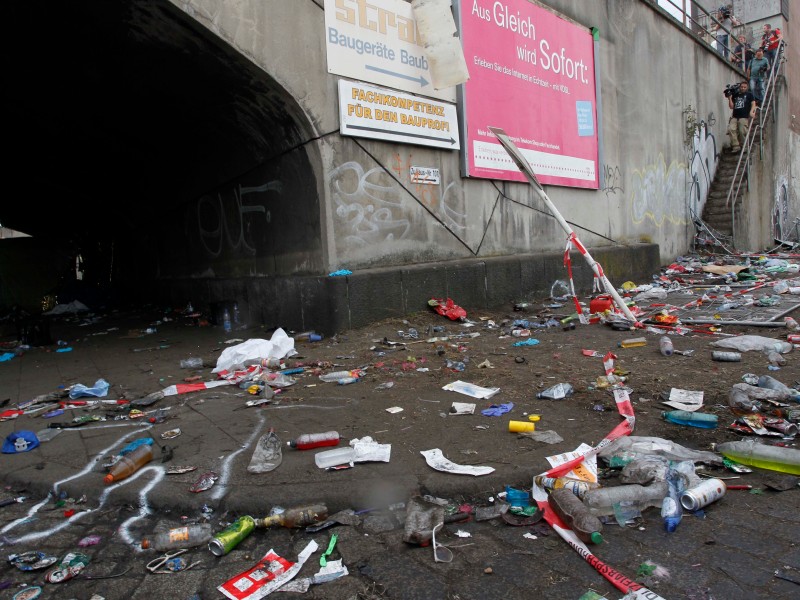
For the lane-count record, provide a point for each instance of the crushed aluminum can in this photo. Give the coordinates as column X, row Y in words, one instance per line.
column 29, row 593
column 172, row 433
column 179, row 470
column 70, row 566
column 206, row 482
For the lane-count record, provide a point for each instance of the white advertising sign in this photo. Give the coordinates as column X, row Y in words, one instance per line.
column 378, row 41
column 384, row 114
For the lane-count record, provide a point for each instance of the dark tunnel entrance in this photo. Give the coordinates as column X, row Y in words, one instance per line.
column 144, row 144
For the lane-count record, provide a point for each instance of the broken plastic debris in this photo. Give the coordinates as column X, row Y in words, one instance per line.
column 205, row 482
column 394, row 409
column 527, row 342
column 436, row 460
column 462, row 408
column 179, row 470
column 469, row 389
column 547, row 437
column 31, row 561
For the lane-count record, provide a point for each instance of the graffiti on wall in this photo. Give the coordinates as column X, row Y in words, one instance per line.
column 782, row 230
column 229, row 219
column 702, row 165
column 658, row 193
column 612, row 180
column 372, row 207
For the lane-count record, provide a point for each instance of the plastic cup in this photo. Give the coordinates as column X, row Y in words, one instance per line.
column 520, row 426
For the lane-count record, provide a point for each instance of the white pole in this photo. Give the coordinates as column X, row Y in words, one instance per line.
column 525, row 167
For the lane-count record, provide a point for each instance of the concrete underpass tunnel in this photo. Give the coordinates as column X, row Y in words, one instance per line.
column 143, row 142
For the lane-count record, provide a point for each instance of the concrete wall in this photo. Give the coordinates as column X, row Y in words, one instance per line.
column 655, row 168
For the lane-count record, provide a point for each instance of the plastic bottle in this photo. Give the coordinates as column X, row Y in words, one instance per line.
column 236, row 316
column 693, row 419
column 179, row 537
column 791, row 324
column 337, row 375
column 633, row 342
column 671, row 508
column 226, row 320
column 194, row 362
column 665, row 345
column 307, row 336
column 602, row 501
column 556, row 392
column 296, row 517
column 763, row 456
column 775, row 359
column 579, row 487
column 130, row 463
column 307, row 441
column 720, row 356
column 333, row 458
column 575, row 514
column 765, row 381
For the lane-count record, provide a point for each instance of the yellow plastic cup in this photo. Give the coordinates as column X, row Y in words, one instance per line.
column 519, row 426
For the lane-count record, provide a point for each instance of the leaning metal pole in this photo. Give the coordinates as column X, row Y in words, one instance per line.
column 525, row 167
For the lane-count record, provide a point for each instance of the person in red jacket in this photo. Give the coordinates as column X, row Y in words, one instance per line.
column 770, row 41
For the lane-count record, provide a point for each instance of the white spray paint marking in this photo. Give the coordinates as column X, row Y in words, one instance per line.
column 225, row 469
column 91, row 463
column 34, row 509
column 144, row 507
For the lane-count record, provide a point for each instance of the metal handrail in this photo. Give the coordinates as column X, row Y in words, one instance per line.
column 705, row 21
column 743, row 164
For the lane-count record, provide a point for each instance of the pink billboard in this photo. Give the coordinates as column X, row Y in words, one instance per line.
column 531, row 74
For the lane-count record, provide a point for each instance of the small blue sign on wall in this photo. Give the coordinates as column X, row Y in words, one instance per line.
column 583, row 108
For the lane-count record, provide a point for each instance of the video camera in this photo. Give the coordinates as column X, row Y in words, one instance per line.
column 731, row 90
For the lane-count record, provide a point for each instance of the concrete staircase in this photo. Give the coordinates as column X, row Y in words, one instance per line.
column 716, row 215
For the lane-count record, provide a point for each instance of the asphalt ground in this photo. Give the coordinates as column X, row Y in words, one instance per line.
column 218, row 432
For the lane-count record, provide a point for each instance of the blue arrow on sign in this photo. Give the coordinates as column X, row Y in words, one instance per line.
column 420, row 80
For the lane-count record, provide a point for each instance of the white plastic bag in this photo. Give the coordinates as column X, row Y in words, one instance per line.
column 745, row 343
column 235, row 357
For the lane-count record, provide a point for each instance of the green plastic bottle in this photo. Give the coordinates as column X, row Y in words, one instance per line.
column 763, row 456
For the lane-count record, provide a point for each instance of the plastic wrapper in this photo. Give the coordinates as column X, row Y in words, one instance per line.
column 626, row 449
column 746, row 343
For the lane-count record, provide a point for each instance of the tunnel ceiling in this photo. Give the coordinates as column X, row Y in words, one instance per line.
column 118, row 110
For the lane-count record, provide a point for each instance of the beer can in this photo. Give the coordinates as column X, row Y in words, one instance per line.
column 704, row 494
column 726, row 356
column 793, row 338
column 227, row 539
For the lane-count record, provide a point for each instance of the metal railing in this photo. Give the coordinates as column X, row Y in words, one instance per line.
column 755, row 133
column 707, row 26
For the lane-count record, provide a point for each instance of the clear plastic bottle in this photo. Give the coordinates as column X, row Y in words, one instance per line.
column 765, row 381
column 602, row 501
column 692, row 419
column 307, row 441
column 671, row 508
column 665, row 345
column 179, row 537
column 575, row 515
column 236, row 315
column 296, row 517
column 579, row 487
column 194, row 362
column 338, row 375
column 776, row 359
column 130, row 463
column 226, row 320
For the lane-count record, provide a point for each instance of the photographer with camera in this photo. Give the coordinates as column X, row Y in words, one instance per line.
column 743, row 104
column 725, row 21
column 758, row 71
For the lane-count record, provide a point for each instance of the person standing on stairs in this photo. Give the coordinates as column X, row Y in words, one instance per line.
column 743, row 105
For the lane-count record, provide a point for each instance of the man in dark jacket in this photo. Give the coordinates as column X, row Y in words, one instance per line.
column 743, row 105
